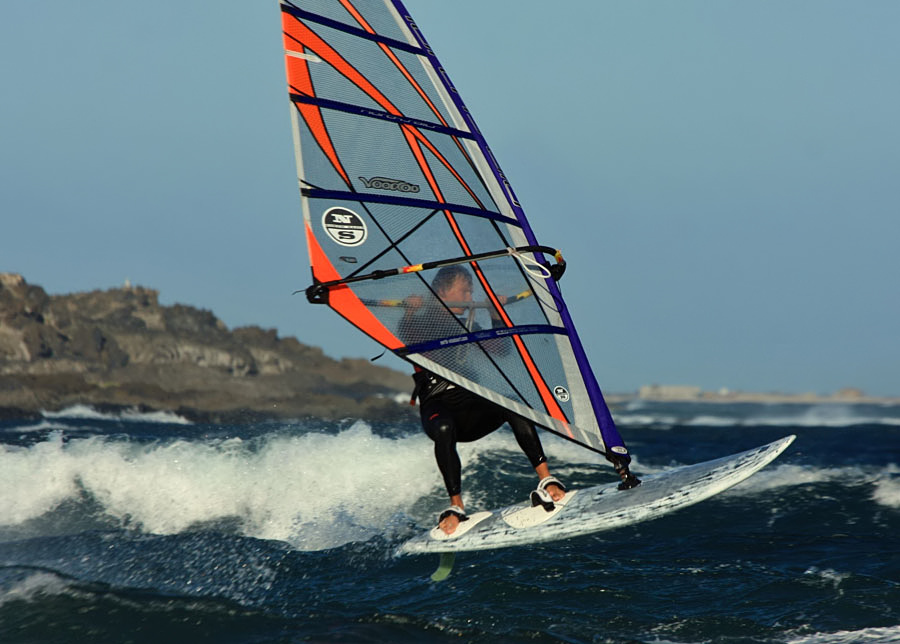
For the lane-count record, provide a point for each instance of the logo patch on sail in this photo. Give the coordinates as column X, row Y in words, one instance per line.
column 344, row 226
column 383, row 183
column 561, row 393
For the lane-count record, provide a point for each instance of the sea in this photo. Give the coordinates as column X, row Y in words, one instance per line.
column 146, row 527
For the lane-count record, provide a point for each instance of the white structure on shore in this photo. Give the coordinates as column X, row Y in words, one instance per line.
column 670, row 392
column 689, row 393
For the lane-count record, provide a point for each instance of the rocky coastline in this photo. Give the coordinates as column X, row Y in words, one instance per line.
column 120, row 349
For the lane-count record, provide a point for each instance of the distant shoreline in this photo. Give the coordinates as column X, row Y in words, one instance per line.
column 691, row 394
column 120, row 350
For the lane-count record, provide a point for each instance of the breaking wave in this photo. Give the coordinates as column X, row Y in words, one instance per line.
column 314, row 490
column 131, row 415
column 667, row 416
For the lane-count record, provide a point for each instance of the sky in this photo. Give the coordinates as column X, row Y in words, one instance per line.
column 723, row 178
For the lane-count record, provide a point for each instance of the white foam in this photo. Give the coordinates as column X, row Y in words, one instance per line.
column 40, row 426
column 787, row 475
column 886, row 635
column 715, row 421
column 75, row 411
column 825, row 415
column 646, row 420
column 166, row 417
column 132, row 415
column 885, row 484
column 33, row 587
column 399, row 397
column 828, row 576
column 314, row 490
column 34, row 480
column 887, row 488
column 831, row 415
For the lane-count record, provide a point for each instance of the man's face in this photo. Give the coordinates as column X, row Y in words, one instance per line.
column 460, row 290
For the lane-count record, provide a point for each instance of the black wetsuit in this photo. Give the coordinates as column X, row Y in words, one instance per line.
column 455, row 415
column 452, row 415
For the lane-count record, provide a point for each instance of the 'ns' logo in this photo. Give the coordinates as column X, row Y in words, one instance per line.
column 344, row 226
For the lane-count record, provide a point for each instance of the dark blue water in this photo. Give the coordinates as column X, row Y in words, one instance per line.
column 151, row 529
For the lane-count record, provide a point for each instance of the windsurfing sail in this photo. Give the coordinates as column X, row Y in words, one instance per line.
column 397, row 184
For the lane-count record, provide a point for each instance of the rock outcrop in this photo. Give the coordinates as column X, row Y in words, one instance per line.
column 121, row 348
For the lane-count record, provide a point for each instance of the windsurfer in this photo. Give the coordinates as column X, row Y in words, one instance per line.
column 452, row 414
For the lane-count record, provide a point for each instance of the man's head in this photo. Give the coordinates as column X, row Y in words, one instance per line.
column 453, row 284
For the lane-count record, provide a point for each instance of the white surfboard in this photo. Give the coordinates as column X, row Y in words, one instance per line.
column 602, row 507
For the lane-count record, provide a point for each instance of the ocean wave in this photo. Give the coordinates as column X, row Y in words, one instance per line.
column 29, row 584
column 821, row 418
column 647, row 420
column 760, row 416
column 887, row 489
column 314, row 491
column 563, row 456
column 886, row 635
column 131, row 415
column 43, row 425
column 884, row 482
column 787, row 475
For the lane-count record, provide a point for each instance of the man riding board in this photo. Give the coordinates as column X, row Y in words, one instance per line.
column 451, row 414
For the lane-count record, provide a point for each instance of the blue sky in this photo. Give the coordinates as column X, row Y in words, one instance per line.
column 722, row 177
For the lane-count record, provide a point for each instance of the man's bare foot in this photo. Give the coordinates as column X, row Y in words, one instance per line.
column 450, row 518
column 449, row 524
column 556, row 492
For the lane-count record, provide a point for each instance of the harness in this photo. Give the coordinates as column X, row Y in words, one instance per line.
column 428, row 385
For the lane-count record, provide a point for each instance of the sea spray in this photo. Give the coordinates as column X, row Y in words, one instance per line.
column 314, row 490
column 35, row 480
column 129, row 415
column 665, row 416
column 887, row 488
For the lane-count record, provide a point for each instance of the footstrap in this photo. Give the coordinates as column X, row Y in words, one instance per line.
column 551, row 480
column 542, row 497
column 453, row 510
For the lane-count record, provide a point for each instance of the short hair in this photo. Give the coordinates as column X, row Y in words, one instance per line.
column 447, row 275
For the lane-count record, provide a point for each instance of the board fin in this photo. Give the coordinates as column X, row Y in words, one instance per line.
column 444, row 567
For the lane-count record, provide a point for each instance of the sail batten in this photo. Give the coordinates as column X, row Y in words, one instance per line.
column 371, row 197
column 479, row 336
column 350, row 29
column 393, row 172
column 379, row 114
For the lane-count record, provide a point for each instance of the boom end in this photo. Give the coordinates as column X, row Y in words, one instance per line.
column 317, row 294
